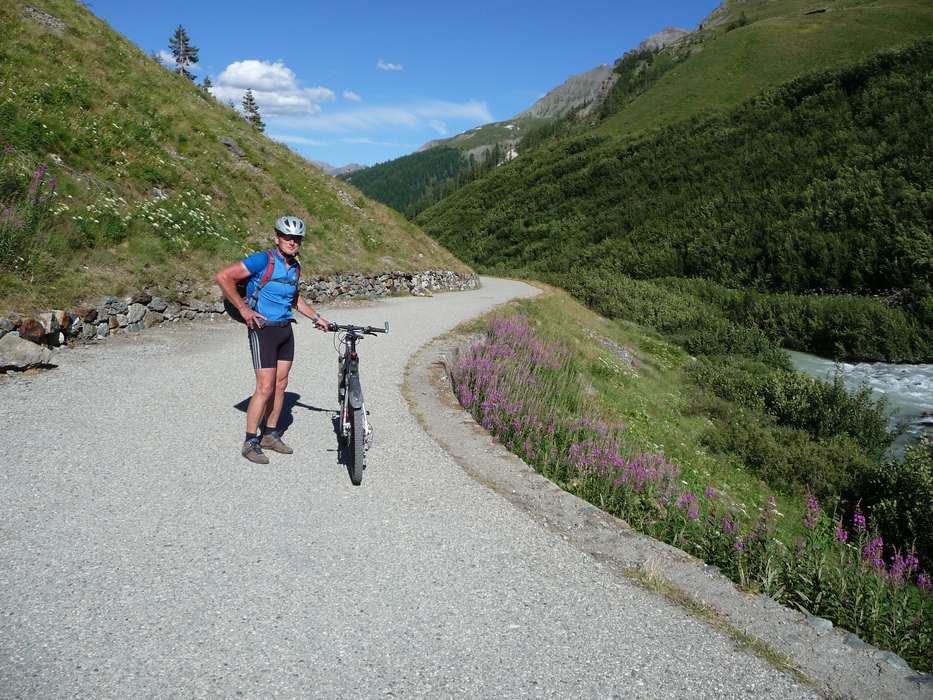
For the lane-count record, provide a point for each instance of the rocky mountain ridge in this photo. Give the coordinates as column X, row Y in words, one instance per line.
column 588, row 88
column 577, row 91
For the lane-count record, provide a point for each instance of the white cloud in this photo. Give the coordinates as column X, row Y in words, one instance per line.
column 388, row 66
column 438, row 126
column 258, row 75
column 433, row 114
column 352, row 96
column 275, row 87
column 303, row 140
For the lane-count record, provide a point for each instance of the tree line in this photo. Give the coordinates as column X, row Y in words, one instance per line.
column 413, row 183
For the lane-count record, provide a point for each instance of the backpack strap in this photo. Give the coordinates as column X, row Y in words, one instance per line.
column 265, row 278
column 262, row 283
column 297, row 281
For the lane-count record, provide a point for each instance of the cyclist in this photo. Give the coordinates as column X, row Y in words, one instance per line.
column 269, row 326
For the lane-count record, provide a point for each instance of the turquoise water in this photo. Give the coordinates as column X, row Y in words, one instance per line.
column 908, row 388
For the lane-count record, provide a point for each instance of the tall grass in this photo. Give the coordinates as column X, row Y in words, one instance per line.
column 148, row 188
column 26, row 210
column 530, row 389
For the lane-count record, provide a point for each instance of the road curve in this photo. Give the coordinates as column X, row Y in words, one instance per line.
column 142, row 557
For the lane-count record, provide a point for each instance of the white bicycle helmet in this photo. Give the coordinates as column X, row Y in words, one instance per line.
column 290, row 226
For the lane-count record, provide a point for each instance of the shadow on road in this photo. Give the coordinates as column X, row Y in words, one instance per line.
column 292, row 402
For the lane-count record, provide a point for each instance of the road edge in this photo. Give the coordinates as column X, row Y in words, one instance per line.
column 834, row 662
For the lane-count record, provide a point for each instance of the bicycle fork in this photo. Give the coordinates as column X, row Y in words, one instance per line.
column 352, row 397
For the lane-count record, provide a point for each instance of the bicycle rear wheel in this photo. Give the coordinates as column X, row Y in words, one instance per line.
column 357, row 446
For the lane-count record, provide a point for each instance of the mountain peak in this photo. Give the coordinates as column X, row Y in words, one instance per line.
column 577, row 91
column 586, row 88
column 665, row 37
column 331, row 170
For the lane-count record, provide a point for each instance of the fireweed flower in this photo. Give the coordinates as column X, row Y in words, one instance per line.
column 813, row 512
column 903, row 566
column 841, row 535
column 872, row 554
column 859, row 521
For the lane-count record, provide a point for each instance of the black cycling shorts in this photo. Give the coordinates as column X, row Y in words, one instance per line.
column 270, row 345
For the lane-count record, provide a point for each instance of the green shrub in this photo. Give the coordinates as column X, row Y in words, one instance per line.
column 899, row 498
column 825, row 409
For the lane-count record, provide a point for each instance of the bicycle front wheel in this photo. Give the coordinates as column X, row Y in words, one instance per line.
column 357, row 445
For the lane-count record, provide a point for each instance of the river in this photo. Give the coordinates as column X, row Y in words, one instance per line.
column 908, row 388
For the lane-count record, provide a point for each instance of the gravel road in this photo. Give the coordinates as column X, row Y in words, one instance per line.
column 142, row 557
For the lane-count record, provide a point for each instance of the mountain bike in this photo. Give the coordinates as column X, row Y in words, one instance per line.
column 353, row 427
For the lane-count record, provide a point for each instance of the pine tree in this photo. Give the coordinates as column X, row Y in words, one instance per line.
column 185, row 54
column 251, row 111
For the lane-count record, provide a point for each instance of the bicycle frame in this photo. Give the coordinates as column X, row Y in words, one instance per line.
column 353, row 427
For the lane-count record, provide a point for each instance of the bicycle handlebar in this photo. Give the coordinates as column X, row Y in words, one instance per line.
column 368, row 330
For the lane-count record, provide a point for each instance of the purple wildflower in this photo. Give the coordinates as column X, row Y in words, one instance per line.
column 872, row 553
column 859, row 521
column 729, row 527
column 903, row 566
column 813, row 512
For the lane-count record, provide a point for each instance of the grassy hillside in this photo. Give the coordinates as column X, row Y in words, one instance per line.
column 114, row 173
column 778, row 41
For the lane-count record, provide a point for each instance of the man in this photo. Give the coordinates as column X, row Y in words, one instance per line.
column 269, row 325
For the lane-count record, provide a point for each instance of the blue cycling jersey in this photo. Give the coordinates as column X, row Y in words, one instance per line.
column 276, row 297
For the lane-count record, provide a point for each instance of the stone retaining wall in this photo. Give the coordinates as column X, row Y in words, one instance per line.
column 25, row 341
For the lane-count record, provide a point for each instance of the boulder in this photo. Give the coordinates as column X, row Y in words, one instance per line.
column 152, row 318
column 31, row 329
column 17, row 354
column 57, row 325
column 142, row 297
column 87, row 315
column 135, row 313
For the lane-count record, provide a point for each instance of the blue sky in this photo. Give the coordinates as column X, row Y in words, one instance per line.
column 368, row 81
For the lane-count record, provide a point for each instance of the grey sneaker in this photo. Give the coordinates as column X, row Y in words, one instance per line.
column 253, row 452
column 273, row 442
